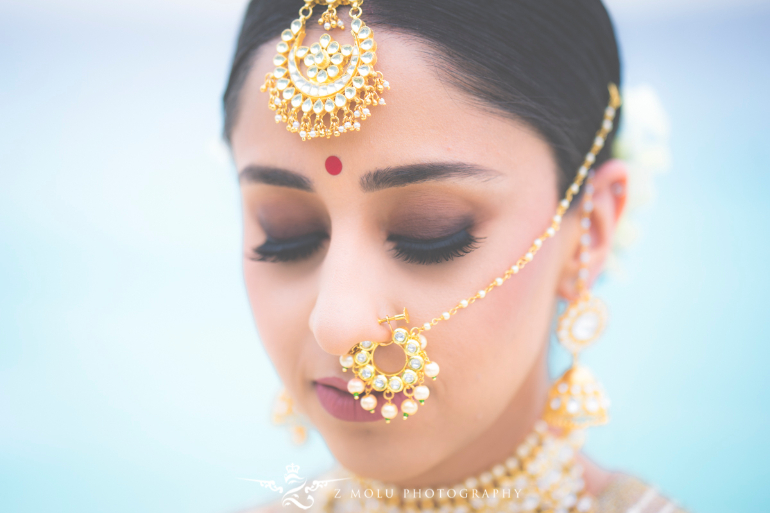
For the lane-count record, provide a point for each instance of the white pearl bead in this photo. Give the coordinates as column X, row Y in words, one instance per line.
column 421, row 393
column 386, row 83
column 538, row 242
column 590, row 158
column 366, row 112
column 528, row 257
column 564, row 203
column 347, row 124
column 574, row 188
column 357, row 113
column 357, row 125
column 557, row 219
column 423, row 341
column 551, row 232
column 498, row 281
column 482, row 293
column 588, row 206
column 599, row 141
column 327, row 25
column 431, row 370
column 609, row 112
column 312, row 133
column 464, row 303
column 369, row 402
column 277, row 117
column 346, row 360
column 389, row 411
column 426, row 326
column 445, row 315
column 607, row 125
column 356, row 386
column 302, row 134
column 295, row 124
column 515, row 269
column 409, row 407
column 583, row 171
column 382, row 101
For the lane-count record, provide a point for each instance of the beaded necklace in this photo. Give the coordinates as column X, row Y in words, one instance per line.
column 542, row 475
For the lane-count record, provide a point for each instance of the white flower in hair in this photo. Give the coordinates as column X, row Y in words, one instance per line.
column 643, row 142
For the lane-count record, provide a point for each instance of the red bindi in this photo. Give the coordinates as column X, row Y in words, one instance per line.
column 333, row 165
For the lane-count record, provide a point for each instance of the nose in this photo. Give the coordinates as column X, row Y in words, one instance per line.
column 351, row 298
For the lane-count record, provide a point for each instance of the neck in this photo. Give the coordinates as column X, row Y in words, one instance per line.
column 497, row 442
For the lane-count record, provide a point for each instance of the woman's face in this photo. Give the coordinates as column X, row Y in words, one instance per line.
column 436, row 198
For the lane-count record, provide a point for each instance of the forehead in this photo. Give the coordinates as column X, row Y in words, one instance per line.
column 427, row 118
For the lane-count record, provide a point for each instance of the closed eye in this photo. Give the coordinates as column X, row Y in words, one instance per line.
column 434, row 250
column 289, row 249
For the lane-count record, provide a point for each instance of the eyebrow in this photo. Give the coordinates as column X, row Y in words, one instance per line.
column 402, row 176
column 275, row 176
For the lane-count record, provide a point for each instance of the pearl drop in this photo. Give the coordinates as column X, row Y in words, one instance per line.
column 409, row 407
column 295, row 124
column 389, row 411
column 312, row 133
column 369, row 402
column 421, row 392
column 356, row 386
column 302, row 134
column 382, row 101
column 357, row 125
column 346, row 360
column 327, row 25
column 386, row 84
column 423, row 341
column 588, row 206
column 277, row 118
column 515, row 269
column 431, row 370
column 366, row 112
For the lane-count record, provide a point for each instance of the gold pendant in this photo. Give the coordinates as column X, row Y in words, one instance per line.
column 326, row 88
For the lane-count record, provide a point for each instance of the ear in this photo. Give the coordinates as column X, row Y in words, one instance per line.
column 609, row 200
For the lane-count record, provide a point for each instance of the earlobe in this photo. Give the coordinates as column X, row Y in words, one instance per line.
column 607, row 203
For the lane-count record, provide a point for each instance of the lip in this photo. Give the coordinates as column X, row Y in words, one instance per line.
column 332, row 392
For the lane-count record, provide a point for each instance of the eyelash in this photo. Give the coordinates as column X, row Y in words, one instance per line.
column 412, row 251
column 434, row 251
column 289, row 250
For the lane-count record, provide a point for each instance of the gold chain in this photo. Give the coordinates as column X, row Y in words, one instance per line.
column 574, row 188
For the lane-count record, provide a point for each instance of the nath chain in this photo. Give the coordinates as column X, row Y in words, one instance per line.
column 574, row 188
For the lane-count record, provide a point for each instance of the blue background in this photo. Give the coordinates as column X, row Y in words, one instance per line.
column 131, row 377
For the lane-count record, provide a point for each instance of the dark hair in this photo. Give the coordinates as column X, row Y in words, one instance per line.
column 545, row 62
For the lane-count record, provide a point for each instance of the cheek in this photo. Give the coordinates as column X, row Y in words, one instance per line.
column 281, row 307
column 494, row 345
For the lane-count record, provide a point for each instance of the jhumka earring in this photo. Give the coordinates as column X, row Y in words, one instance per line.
column 325, row 79
column 409, row 379
column 285, row 414
column 576, row 400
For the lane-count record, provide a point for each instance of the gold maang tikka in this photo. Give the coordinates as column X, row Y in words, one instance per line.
column 326, row 88
column 369, row 378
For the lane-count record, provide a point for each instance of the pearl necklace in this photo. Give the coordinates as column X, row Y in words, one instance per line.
column 541, row 475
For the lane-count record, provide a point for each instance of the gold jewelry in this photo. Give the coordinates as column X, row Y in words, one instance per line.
column 284, row 414
column 339, row 81
column 576, row 399
column 363, row 349
column 541, row 475
column 409, row 379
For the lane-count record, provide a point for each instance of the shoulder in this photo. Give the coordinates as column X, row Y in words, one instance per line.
column 625, row 492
